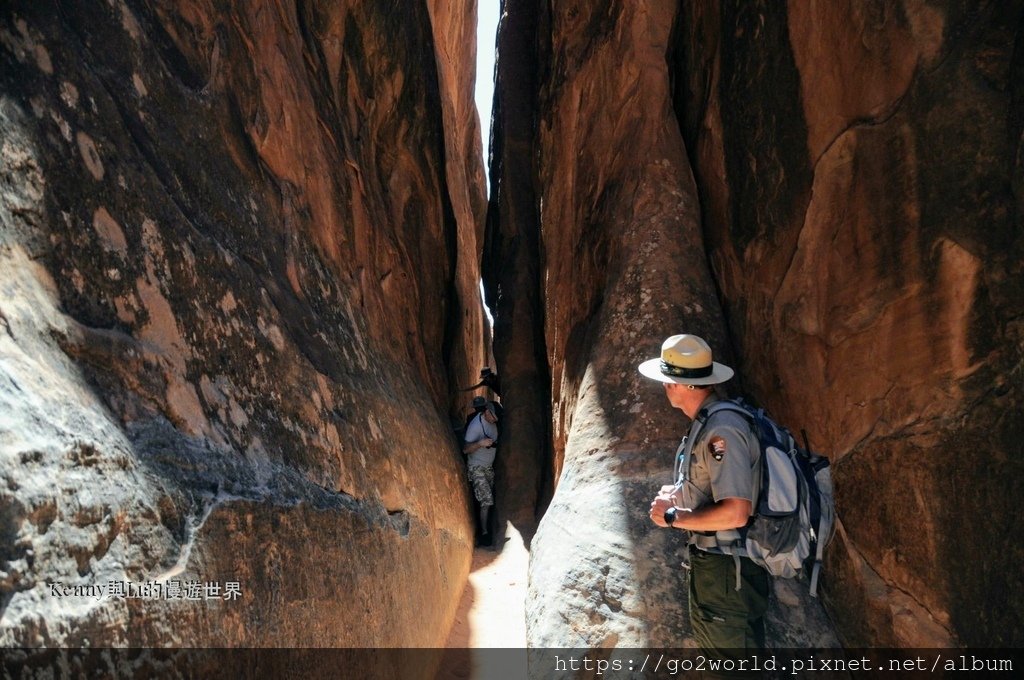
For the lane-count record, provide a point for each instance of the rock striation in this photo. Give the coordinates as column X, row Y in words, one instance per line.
column 831, row 193
column 511, row 272
column 860, row 172
column 239, row 248
column 616, row 214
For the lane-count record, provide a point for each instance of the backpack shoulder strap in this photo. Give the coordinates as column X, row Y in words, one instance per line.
column 470, row 422
column 749, row 415
column 728, row 405
column 766, row 430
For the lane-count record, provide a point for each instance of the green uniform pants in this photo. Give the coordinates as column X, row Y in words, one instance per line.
column 728, row 623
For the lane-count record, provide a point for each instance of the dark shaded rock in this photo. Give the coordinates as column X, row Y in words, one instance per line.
column 512, row 275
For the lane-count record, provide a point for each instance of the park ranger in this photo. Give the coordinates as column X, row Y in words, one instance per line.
column 718, row 475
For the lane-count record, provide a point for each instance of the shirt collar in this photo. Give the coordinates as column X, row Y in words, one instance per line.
column 704, row 405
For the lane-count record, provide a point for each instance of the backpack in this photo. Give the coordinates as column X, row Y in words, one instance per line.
column 795, row 515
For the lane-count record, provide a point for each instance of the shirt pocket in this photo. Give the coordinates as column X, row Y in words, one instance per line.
column 692, row 497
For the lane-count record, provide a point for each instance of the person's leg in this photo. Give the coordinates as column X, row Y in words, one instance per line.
column 485, row 515
column 485, row 509
column 482, row 478
column 727, row 623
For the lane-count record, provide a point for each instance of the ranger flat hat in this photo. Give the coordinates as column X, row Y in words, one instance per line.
column 686, row 360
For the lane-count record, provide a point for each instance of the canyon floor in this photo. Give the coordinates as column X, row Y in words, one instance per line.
column 491, row 613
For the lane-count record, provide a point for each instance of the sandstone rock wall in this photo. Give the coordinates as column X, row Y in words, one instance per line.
column 610, row 189
column 856, row 190
column 860, row 172
column 511, row 270
column 239, row 249
column 615, row 215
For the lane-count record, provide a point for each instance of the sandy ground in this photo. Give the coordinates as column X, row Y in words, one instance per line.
column 491, row 616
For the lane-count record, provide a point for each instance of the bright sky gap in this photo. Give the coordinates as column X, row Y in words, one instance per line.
column 486, row 41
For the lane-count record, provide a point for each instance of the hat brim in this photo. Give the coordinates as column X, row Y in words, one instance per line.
column 652, row 369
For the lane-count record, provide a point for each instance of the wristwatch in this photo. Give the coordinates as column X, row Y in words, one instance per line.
column 670, row 516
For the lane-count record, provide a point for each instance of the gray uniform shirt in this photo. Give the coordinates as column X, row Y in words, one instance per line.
column 720, row 459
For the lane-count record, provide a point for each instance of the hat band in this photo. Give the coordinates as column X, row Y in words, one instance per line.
column 679, row 372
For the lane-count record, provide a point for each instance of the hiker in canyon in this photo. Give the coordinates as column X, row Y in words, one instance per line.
column 480, row 441
column 488, row 379
column 718, row 474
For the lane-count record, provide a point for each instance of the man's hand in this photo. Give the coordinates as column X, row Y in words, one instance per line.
column 662, row 502
column 480, row 444
column 728, row 513
column 671, row 492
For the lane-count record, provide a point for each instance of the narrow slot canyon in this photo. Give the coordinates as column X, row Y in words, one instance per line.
column 245, row 254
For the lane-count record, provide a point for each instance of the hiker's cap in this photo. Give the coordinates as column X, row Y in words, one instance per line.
column 686, row 360
column 479, row 403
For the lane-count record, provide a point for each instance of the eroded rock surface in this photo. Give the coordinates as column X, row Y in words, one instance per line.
column 238, row 263
column 511, row 267
column 860, row 170
column 848, row 238
column 618, row 227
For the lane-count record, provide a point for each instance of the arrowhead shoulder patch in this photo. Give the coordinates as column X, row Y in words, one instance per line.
column 716, row 447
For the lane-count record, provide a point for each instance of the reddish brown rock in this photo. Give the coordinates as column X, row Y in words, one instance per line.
column 858, row 197
column 455, row 53
column 623, row 266
column 239, row 252
column 860, row 170
column 511, row 267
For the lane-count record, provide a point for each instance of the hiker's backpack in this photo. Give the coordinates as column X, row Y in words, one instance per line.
column 795, row 515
